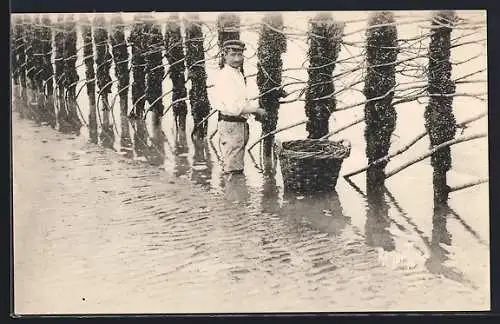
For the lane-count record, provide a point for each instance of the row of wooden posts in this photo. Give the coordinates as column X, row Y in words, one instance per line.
column 44, row 56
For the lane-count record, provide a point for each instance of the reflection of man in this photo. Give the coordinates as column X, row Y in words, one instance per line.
column 230, row 99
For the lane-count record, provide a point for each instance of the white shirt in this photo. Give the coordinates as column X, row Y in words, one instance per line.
column 229, row 95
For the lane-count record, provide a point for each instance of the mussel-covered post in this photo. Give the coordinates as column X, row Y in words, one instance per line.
column 174, row 52
column 439, row 119
column 121, row 57
column 14, row 69
column 15, row 59
column 70, row 74
column 154, row 69
column 48, row 70
column 30, row 66
column 325, row 38
column 38, row 68
column 62, row 113
column 137, row 42
column 103, row 61
column 272, row 43
column 228, row 26
column 88, row 59
column 380, row 80
column 195, row 60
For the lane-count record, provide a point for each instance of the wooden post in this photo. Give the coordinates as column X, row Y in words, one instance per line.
column 228, row 26
column 271, row 44
column 103, row 62
column 14, row 62
column 47, row 75
column 70, row 74
column 154, row 69
column 175, row 56
column 37, row 44
column 121, row 57
column 62, row 109
column 137, row 42
column 324, row 46
column 88, row 54
column 380, row 79
column 30, row 66
column 439, row 119
column 21, row 59
column 195, row 60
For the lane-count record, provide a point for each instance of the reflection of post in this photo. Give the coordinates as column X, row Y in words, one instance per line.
column 235, row 188
column 181, row 149
column 202, row 165
column 440, row 234
column 103, row 61
column 270, row 192
column 377, row 218
column 140, row 138
column 157, row 149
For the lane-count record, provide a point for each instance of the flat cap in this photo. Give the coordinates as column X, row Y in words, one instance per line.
column 235, row 44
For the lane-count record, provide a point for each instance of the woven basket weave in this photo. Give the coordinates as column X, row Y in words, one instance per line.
column 311, row 164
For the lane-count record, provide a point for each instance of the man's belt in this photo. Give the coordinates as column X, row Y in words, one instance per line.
column 232, row 118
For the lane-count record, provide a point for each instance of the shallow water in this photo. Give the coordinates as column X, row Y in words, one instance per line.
column 119, row 232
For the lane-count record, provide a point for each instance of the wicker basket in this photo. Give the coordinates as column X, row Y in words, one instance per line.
column 311, row 164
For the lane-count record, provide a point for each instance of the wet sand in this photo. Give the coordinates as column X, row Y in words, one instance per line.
column 96, row 232
column 104, row 231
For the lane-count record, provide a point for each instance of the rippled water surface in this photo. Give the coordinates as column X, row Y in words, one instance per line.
column 105, row 230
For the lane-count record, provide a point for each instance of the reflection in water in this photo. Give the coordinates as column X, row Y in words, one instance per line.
column 202, row 164
column 156, row 154
column 270, row 191
column 440, row 235
column 62, row 114
column 181, row 167
column 140, row 137
column 67, row 116
column 107, row 135
column 50, row 110
column 321, row 211
column 74, row 120
column 377, row 219
column 235, row 188
column 125, row 139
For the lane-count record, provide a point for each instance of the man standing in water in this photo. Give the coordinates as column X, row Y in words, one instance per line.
column 231, row 100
